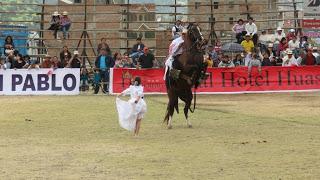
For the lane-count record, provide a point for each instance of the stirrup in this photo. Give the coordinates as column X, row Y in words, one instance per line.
column 175, row 73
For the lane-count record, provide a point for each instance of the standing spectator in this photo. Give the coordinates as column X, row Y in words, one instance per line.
column 291, row 34
column 75, row 61
column 289, row 60
column 226, row 62
column 282, row 47
column 56, row 63
column 309, row 59
column 137, row 50
column 19, row 62
column 65, row 56
column 304, row 44
column 84, row 76
column 103, row 45
column 103, row 64
column 8, row 45
column 254, row 62
column 247, row 44
column 176, row 29
column 238, row 29
column 252, row 30
column 146, row 60
column 238, row 60
column 55, row 24
column 65, row 24
column 46, row 62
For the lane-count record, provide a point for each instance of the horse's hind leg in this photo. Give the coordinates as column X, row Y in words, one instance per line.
column 173, row 101
column 188, row 101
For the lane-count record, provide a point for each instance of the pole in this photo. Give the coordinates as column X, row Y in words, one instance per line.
column 41, row 51
column 175, row 10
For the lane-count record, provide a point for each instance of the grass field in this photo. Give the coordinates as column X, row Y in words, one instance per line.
column 251, row 136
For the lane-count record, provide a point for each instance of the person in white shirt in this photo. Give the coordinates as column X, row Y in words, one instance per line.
column 279, row 35
column 289, row 60
column 293, row 45
column 252, row 29
column 316, row 54
column 176, row 30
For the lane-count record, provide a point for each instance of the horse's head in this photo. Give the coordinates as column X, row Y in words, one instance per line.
column 195, row 35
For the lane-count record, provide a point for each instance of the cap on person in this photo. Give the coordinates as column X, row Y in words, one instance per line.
column 65, row 13
column 279, row 29
column 75, row 52
column 270, row 45
column 315, row 48
column 263, row 30
column 47, row 55
column 289, row 52
column 248, row 35
column 292, row 30
column 55, row 13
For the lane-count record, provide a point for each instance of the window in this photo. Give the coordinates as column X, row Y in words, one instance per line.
column 77, row 1
column 215, row 5
column 230, row 20
column 150, row 16
column 132, row 17
column 103, row 2
column 140, row 17
column 197, row 5
column 213, row 20
column 132, row 35
column 231, row 4
column 149, row 35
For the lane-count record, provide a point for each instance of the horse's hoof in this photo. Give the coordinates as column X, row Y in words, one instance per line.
column 170, row 127
column 189, row 126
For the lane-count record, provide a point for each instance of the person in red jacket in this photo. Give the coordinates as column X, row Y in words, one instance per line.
column 309, row 58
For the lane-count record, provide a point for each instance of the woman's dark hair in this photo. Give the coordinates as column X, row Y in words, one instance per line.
column 283, row 39
column 138, row 79
column 115, row 55
column 240, row 20
column 7, row 38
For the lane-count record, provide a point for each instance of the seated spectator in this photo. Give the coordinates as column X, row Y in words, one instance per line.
column 283, row 45
column 65, row 56
column 270, row 51
column 301, row 56
column 55, row 24
column 293, row 45
column 211, row 52
column 238, row 28
column 291, row 35
column 316, row 55
column 125, row 62
column 279, row 35
column 8, row 45
column 252, row 30
column 226, row 62
column 309, row 59
column 84, row 76
column 103, row 45
column 247, row 44
column 254, row 62
column 267, row 61
column 2, row 62
column 238, row 60
column 146, row 60
column 176, row 29
column 118, row 59
column 75, row 61
column 65, row 24
column 56, row 63
column 289, row 60
column 19, row 62
column 263, row 40
column 103, row 64
column 47, row 63
column 208, row 60
column 137, row 50
column 304, row 44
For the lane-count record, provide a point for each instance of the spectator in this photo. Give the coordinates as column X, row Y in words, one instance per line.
column 226, row 62
column 289, row 60
column 302, row 55
column 254, row 62
column 137, row 50
column 2, row 62
column 65, row 56
column 28, row 61
column 264, row 39
column 316, row 55
column 19, row 62
column 103, row 64
column 118, row 60
column 293, row 45
column 304, row 44
column 75, row 61
column 212, row 53
column 267, row 61
column 252, row 30
column 247, row 44
column 278, row 36
column 309, row 59
column 238, row 60
column 127, row 62
column 65, row 24
column 56, row 63
column 208, row 60
column 291, row 34
column 55, row 24
column 146, row 60
column 282, row 46
column 84, row 76
column 103, row 45
column 176, row 29
column 47, row 63
column 8, row 45
column 238, row 28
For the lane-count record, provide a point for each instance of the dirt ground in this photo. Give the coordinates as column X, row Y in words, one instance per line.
column 250, row 136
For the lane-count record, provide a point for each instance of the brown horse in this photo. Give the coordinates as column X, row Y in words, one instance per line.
column 188, row 69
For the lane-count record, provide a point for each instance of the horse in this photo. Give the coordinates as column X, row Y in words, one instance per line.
column 188, row 69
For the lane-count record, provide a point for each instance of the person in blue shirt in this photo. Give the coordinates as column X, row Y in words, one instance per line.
column 103, row 64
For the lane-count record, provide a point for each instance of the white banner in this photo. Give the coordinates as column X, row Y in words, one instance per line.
column 40, row 81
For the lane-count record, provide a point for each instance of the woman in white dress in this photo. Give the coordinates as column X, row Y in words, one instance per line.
column 131, row 112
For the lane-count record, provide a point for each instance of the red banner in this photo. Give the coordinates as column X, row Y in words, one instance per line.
column 310, row 23
column 228, row 80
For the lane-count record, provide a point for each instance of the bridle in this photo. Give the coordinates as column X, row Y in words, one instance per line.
column 198, row 38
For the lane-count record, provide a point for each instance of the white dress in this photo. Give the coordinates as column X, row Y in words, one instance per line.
column 129, row 111
column 173, row 49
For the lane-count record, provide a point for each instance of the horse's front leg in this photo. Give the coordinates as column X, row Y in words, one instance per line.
column 187, row 107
